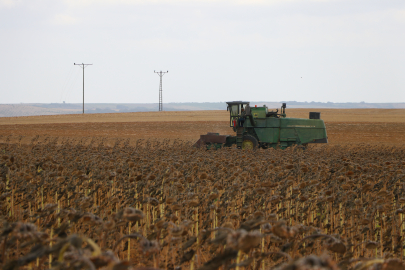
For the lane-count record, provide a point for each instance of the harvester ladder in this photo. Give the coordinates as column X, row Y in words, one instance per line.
column 239, row 137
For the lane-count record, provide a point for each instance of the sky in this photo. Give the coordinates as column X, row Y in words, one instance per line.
column 214, row 50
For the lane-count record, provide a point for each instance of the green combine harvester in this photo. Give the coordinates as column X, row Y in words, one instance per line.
column 258, row 127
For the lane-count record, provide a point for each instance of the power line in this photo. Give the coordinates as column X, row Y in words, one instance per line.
column 66, row 83
column 83, row 66
column 160, row 73
column 70, row 85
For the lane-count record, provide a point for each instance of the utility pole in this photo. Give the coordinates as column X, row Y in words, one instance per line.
column 160, row 73
column 83, row 66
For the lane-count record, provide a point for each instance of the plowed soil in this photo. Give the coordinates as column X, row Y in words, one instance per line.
column 343, row 126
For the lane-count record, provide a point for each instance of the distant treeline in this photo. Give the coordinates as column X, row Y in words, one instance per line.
column 144, row 107
column 346, row 105
column 9, row 110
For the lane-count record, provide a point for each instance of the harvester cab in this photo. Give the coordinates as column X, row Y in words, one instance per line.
column 235, row 109
column 258, row 127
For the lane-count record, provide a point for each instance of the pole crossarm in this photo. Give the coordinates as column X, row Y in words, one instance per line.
column 161, row 74
column 83, row 66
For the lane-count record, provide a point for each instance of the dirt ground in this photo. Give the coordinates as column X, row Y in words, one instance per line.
column 374, row 126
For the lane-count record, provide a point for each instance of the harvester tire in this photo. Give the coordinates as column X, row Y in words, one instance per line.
column 249, row 142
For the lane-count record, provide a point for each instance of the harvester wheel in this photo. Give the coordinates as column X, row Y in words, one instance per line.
column 249, row 142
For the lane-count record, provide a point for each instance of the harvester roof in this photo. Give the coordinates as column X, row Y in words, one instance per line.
column 237, row 102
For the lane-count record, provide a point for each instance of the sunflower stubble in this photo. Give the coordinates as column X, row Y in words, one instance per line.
column 163, row 204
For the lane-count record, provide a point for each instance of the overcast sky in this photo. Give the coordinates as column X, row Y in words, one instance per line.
column 215, row 50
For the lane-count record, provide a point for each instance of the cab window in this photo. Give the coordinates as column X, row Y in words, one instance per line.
column 234, row 110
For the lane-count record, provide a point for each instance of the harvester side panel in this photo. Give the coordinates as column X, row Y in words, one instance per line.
column 267, row 135
column 273, row 122
column 297, row 122
column 307, row 135
column 288, row 135
column 306, row 130
column 267, row 129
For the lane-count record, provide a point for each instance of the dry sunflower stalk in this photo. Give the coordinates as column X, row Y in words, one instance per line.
column 97, row 204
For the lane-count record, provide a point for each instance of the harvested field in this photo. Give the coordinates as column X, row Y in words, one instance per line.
column 343, row 126
column 94, row 192
column 338, row 132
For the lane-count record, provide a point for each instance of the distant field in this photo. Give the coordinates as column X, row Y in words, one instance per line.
column 344, row 126
column 328, row 115
column 32, row 109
